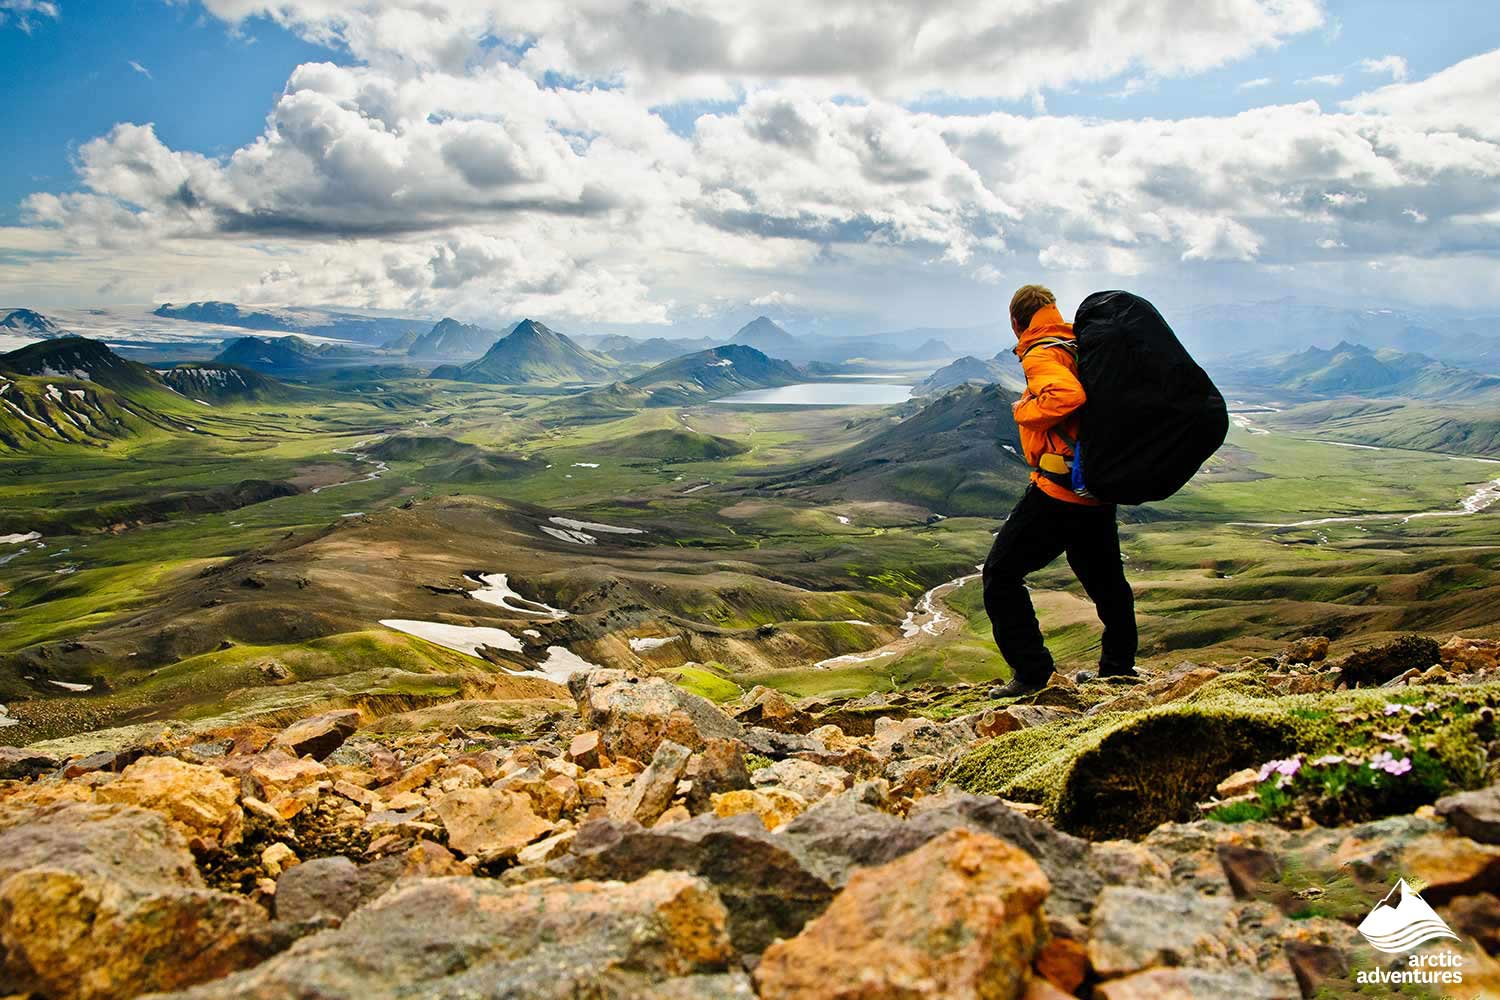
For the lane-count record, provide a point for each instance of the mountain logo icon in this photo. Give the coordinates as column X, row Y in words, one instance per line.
column 1402, row 925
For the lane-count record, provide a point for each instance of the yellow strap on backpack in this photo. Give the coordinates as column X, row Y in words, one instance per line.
column 1054, row 464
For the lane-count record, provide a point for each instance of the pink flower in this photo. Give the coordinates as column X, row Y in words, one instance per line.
column 1328, row 760
column 1392, row 709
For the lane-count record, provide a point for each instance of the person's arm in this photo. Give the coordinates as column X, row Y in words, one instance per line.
column 1052, row 390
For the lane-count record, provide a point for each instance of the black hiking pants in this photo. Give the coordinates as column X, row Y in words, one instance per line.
column 1040, row 529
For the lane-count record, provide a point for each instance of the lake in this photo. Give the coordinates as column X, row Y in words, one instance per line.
column 824, row 394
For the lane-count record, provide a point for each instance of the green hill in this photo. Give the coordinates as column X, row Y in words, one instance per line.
column 692, row 378
column 74, row 391
column 214, row 382
column 1458, row 430
column 958, row 455
column 531, row 354
column 674, row 444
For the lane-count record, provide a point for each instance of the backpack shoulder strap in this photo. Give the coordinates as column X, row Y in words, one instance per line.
column 1071, row 346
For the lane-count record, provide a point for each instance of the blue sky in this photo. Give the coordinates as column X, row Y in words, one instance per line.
column 496, row 188
column 209, row 87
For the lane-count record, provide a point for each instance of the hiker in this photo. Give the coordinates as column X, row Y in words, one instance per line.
column 1052, row 519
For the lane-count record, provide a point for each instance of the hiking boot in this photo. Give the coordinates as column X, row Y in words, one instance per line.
column 1019, row 687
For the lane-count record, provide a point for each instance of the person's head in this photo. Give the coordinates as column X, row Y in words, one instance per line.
column 1025, row 303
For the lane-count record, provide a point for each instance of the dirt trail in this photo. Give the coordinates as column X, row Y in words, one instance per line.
column 929, row 619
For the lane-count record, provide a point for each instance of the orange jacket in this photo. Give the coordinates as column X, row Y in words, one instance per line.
column 1048, row 410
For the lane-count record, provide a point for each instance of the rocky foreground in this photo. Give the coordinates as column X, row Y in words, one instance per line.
column 1237, row 823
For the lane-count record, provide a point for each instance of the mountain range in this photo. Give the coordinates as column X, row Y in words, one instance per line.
column 968, row 370
column 289, row 355
column 373, row 330
column 956, row 455
column 1349, row 369
column 531, row 354
column 692, row 378
column 450, row 339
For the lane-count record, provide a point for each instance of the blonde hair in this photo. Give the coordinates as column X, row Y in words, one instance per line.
column 1027, row 300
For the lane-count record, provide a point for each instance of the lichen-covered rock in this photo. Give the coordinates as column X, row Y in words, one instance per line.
column 1135, row 929
column 772, row 806
column 104, row 901
column 959, row 917
column 468, row 937
column 769, row 890
column 199, row 800
column 719, row 767
column 489, row 823
column 20, row 762
column 634, row 714
column 1190, row 984
column 320, row 735
column 653, row 789
column 803, row 778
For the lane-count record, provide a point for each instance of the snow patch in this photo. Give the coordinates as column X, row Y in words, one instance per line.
column 608, row 529
column 641, row 645
column 29, row 536
column 566, row 535
column 70, row 686
column 496, row 590
column 467, row 639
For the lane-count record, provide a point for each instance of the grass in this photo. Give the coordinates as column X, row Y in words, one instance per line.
column 733, row 558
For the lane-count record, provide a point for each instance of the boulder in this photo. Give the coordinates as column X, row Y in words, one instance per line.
column 489, row 823
column 586, row 750
column 1476, row 815
column 998, row 721
column 719, row 767
column 1375, row 665
column 1190, row 984
column 958, row 917
column 766, row 887
column 101, row 901
column 320, row 735
column 199, row 800
column 464, row 937
column 634, row 714
column 653, row 789
column 772, row 806
column 1135, row 929
column 1309, row 649
column 19, row 762
column 803, row 778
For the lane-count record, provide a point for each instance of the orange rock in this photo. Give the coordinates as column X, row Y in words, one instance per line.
column 1064, row 963
column 958, row 917
column 198, row 800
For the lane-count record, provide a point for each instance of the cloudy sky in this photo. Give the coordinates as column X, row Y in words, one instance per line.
column 840, row 164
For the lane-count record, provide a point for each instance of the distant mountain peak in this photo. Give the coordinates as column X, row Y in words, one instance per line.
column 30, row 323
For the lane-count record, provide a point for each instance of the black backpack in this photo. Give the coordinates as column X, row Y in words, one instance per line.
column 1153, row 416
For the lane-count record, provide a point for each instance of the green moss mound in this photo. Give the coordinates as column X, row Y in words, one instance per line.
column 1124, row 774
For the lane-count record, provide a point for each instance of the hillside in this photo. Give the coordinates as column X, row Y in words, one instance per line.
column 450, row 339
column 284, row 355
column 954, row 456
column 73, row 391
column 970, row 370
column 531, row 354
column 220, row 383
column 693, row 378
column 82, row 359
column 1458, row 430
